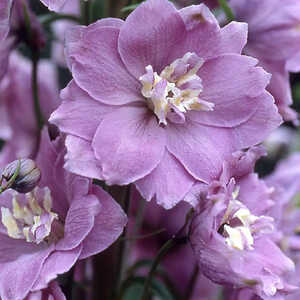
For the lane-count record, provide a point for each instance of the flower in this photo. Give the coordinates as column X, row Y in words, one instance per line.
column 286, row 187
column 18, row 126
column 168, row 99
column 232, row 233
column 274, row 37
column 44, row 232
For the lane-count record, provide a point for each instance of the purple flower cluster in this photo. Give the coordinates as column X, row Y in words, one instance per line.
column 168, row 105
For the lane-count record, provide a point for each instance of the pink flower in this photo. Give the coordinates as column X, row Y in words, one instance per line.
column 274, row 38
column 44, row 232
column 161, row 99
column 232, row 233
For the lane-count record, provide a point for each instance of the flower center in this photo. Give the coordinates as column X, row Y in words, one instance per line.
column 176, row 90
column 34, row 221
column 239, row 226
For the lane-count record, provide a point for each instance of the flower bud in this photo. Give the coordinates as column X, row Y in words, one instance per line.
column 27, row 177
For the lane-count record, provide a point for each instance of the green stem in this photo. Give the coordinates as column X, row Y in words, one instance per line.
column 50, row 18
column 175, row 240
column 191, row 285
column 122, row 248
column 227, row 10
column 145, row 236
column 85, row 12
column 161, row 254
column 35, row 91
column 36, row 102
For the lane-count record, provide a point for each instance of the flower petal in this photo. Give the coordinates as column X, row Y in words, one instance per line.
column 96, row 65
column 55, row 5
column 5, row 8
column 80, row 158
column 108, row 225
column 200, row 149
column 79, row 221
column 129, row 144
column 20, row 264
column 70, row 116
column 168, row 182
column 58, row 262
column 232, row 82
column 205, row 37
column 149, row 36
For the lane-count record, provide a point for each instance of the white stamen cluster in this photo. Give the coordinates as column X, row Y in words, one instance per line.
column 31, row 222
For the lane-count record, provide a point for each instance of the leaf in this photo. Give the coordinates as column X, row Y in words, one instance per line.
column 130, row 8
column 132, row 289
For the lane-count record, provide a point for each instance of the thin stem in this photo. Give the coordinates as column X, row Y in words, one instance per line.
column 175, row 240
column 161, row 254
column 191, row 284
column 227, row 10
column 122, row 248
column 138, row 221
column 85, row 12
column 145, row 236
column 36, row 102
column 50, row 18
column 35, row 91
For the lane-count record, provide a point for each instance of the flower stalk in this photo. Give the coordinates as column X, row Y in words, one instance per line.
column 171, row 243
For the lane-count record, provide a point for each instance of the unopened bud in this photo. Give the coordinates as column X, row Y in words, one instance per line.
column 21, row 175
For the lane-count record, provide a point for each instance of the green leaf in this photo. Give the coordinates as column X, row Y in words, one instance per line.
column 144, row 263
column 133, row 292
column 130, row 8
column 132, row 289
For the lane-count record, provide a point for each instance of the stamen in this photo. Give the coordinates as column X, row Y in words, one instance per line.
column 176, row 89
column 31, row 222
column 239, row 226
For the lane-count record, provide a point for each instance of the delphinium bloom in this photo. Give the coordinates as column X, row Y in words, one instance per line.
column 274, row 38
column 168, row 99
column 179, row 264
column 18, row 125
column 44, row 232
column 231, row 233
column 285, row 182
column 285, row 187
